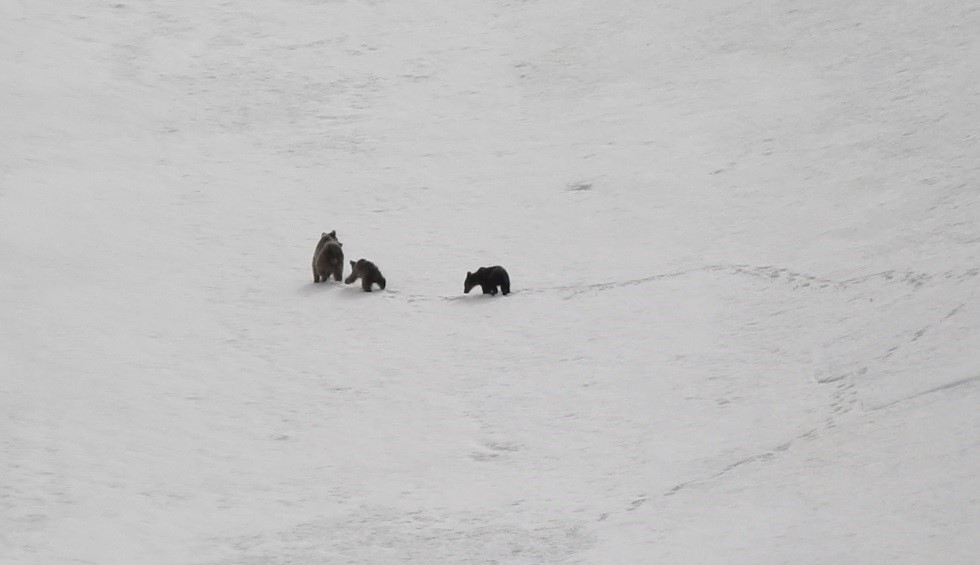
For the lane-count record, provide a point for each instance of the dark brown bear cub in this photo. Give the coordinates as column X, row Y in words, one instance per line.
column 489, row 278
column 368, row 273
column 328, row 259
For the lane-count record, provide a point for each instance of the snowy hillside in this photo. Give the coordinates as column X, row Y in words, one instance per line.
column 743, row 238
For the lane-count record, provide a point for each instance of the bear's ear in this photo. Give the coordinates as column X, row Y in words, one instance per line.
column 333, row 233
column 351, row 263
column 324, row 234
column 469, row 274
column 340, row 244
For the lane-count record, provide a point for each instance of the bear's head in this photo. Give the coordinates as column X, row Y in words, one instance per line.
column 469, row 283
column 326, row 238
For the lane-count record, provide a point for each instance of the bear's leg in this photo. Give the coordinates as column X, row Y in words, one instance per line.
column 316, row 276
column 382, row 283
column 505, row 288
column 486, row 289
column 338, row 272
column 366, row 285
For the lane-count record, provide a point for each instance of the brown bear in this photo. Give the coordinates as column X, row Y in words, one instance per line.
column 489, row 278
column 328, row 259
column 368, row 273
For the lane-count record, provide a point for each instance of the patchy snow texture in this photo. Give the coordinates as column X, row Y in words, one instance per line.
column 743, row 238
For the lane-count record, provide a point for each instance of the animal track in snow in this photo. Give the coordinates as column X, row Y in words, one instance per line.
column 771, row 273
column 495, row 450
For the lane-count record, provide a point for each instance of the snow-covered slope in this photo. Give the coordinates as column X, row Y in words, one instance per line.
column 743, row 239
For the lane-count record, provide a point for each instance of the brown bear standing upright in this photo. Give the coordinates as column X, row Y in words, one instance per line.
column 328, row 259
column 368, row 273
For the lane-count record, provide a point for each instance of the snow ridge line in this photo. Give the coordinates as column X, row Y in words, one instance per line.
column 764, row 456
column 785, row 446
column 933, row 390
column 766, row 272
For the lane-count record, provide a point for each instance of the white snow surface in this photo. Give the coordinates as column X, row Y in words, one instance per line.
column 743, row 237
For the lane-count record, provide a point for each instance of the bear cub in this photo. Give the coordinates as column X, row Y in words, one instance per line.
column 328, row 259
column 489, row 278
column 368, row 272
